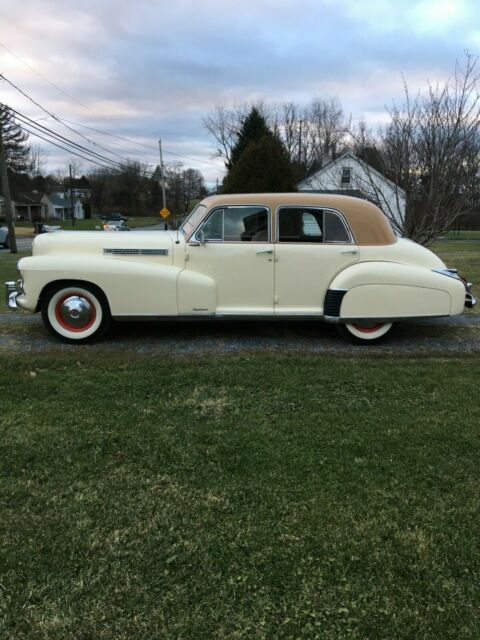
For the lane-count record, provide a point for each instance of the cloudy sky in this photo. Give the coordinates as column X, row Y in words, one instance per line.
column 154, row 68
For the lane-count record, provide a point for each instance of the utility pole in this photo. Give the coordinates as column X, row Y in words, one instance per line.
column 12, row 240
column 162, row 173
column 216, row 190
column 71, row 195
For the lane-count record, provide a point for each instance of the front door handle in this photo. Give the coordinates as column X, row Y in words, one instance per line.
column 265, row 251
column 352, row 251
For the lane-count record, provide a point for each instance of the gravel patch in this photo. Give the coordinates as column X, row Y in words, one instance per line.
column 24, row 333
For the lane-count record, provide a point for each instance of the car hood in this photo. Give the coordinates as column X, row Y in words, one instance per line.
column 99, row 242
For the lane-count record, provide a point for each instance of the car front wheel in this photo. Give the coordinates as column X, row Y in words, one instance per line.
column 75, row 313
column 365, row 331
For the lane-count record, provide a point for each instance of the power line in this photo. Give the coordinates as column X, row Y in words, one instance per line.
column 49, row 132
column 37, row 135
column 56, row 118
column 141, row 144
column 64, row 120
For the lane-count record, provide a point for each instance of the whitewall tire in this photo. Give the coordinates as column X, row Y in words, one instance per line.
column 365, row 331
column 75, row 313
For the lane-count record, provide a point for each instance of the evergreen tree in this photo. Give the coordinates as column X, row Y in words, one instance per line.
column 16, row 153
column 259, row 161
column 263, row 167
column 253, row 128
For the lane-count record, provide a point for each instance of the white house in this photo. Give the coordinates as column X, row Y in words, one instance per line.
column 350, row 175
column 59, row 206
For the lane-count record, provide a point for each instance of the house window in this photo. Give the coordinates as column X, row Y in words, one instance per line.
column 346, row 176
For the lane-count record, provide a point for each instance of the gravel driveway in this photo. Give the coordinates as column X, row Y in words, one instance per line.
column 24, row 333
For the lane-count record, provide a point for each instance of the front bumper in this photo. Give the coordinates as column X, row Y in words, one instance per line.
column 12, row 290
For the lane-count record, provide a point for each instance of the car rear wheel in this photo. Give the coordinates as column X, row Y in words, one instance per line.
column 365, row 331
column 75, row 313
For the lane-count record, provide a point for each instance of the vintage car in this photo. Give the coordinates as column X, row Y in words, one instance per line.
column 293, row 255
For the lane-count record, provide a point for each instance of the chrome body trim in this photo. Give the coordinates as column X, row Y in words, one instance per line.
column 135, row 252
column 337, row 320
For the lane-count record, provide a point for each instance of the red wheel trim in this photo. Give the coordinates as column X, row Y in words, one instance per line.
column 61, row 321
column 375, row 327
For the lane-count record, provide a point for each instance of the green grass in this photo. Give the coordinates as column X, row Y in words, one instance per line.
column 260, row 497
column 465, row 257
column 464, row 235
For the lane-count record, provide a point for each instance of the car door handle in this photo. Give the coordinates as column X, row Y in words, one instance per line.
column 352, row 251
column 265, row 251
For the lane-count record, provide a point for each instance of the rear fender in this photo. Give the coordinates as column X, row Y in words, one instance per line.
column 395, row 290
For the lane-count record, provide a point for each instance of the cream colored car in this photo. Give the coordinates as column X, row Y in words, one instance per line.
column 293, row 255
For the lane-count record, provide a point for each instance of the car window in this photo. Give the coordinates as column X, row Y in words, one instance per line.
column 335, row 230
column 237, row 224
column 298, row 224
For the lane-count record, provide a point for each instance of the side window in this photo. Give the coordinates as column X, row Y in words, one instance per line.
column 298, row 224
column 237, row 224
column 334, row 226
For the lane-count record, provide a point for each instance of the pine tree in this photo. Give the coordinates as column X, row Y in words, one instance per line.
column 259, row 161
column 253, row 128
column 16, row 153
column 262, row 167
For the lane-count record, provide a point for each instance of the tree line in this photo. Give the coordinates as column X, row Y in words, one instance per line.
column 131, row 188
column 429, row 149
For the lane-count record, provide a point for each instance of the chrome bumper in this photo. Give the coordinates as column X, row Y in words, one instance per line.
column 470, row 300
column 12, row 290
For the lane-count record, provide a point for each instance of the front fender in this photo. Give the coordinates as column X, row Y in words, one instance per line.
column 132, row 288
column 396, row 290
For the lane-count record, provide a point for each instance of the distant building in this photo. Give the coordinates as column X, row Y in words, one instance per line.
column 58, row 206
column 26, row 206
column 349, row 175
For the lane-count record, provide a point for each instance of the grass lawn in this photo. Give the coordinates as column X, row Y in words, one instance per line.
column 255, row 497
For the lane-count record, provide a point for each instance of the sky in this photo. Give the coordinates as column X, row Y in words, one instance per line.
column 153, row 69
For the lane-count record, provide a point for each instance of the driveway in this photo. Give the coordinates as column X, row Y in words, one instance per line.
column 24, row 333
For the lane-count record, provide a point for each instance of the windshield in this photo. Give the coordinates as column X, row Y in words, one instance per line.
column 193, row 219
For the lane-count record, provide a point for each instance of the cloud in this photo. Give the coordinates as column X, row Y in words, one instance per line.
column 155, row 69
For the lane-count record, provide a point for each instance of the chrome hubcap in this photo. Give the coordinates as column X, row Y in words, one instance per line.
column 76, row 311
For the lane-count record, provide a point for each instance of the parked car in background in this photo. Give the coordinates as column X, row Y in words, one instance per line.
column 275, row 256
column 115, row 225
column 4, row 236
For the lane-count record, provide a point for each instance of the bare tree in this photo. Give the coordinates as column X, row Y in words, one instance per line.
column 37, row 161
column 431, row 151
column 310, row 134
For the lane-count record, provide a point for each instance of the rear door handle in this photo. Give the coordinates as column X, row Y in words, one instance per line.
column 352, row 251
column 265, row 251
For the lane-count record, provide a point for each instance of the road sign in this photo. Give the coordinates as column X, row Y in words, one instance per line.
column 164, row 212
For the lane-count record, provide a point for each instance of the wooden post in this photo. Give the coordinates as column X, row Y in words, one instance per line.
column 12, row 240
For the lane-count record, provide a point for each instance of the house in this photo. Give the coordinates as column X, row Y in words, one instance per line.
column 349, row 175
column 26, row 206
column 59, row 206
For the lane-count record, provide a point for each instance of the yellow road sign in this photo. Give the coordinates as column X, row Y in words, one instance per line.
column 164, row 213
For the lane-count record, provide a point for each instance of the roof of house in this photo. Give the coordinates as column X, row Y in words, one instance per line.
column 342, row 156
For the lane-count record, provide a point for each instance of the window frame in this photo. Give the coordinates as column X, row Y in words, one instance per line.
column 343, row 178
column 351, row 237
column 194, row 238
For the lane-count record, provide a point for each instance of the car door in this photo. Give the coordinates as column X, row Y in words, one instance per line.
column 313, row 245
column 233, row 247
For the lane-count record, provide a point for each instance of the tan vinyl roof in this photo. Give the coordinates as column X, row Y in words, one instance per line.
column 367, row 222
